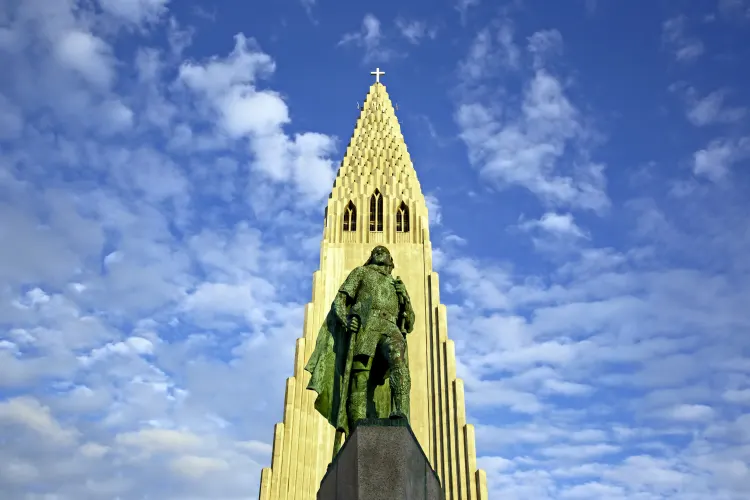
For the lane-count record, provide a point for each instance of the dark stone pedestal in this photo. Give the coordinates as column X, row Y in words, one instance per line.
column 382, row 460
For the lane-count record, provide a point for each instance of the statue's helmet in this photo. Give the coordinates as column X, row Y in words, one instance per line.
column 380, row 249
column 381, row 255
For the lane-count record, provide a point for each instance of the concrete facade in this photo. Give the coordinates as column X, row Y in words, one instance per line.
column 377, row 159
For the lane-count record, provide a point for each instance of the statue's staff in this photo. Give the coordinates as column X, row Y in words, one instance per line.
column 401, row 320
column 352, row 326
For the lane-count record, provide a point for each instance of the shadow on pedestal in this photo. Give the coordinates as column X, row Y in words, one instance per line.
column 382, row 460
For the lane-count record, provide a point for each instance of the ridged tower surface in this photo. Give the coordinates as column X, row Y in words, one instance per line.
column 377, row 159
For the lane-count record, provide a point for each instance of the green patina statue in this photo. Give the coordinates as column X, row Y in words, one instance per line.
column 360, row 365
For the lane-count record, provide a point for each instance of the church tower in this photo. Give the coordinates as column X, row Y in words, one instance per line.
column 377, row 200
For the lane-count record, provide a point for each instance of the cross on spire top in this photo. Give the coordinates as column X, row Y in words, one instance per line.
column 377, row 73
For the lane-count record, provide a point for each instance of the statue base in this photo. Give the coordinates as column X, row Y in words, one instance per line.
column 381, row 460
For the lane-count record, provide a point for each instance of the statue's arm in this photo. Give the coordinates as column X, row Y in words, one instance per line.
column 347, row 294
column 408, row 315
column 340, row 306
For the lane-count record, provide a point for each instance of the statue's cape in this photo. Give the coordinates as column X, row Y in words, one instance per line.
column 330, row 366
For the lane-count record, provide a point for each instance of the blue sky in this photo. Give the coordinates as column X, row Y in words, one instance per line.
column 163, row 171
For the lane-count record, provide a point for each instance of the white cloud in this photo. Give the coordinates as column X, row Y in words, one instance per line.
column 529, row 151
column 740, row 396
column 645, row 471
column 244, row 111
column 717, row 159
column 160, row 440
column 593, row 490
column 223, row 298
column 684, row 47
column 139, row 229
column 544, row 45
column 434, row 209
column 561, row 225
column 93, row 450
column 113, row 241
column 11, row 120
column 308, row 5
column 580, row 452
column 492, row 50
column 88, row 55
column 474, row 64
column 566, row 388
column 29, row 413
column 614, row 340
column 371, row 39
column 496, row 395
column 544, row 143
column 19, row 472
column 734, row 8
column 135, row 11
column 463, row 6
column 711, row 109
column 690, row 412
column 415, row 31
column 228, row 87
column 195, row 467
column 256, row 447
column 131, row 346
column 244, row 65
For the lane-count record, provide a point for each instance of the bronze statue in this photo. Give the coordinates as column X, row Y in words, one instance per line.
column 360, row 366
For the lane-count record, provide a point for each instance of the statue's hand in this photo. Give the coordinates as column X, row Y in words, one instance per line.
column 400, row 288
column 354, row 323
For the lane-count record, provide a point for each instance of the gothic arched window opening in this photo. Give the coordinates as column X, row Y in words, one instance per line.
column 376, row 211
column 402, row 218
column 350, row 217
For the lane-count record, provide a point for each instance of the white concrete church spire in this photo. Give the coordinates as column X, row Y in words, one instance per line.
column 376, row 199
column 377, row 158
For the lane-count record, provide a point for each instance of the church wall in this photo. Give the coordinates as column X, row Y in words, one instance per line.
column 303, row 442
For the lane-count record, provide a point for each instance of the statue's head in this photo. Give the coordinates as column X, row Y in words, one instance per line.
column 380, row 256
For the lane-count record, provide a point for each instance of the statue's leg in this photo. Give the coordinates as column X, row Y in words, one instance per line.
column 394, row 349
column 357, row 401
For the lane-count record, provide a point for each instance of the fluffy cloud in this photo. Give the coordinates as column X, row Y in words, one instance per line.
column 491, row 50
column 734, row 8
column 28, row 414
column 433, row 208
column 556, row 224
column 87, row 55
column 160, row 218
column 371, row 39
column 544, row 145
column 717, row 159
column 711, row 109
column 463, row 6
column 242, row 111
column 415, row 31
column 556, row 354
column 308, row 5
column 685, row 48
column 132, row 299
column 135, row 11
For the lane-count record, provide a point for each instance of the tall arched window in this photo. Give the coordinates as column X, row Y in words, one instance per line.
column 350, row 217
column 376, row 211
column 402, row 218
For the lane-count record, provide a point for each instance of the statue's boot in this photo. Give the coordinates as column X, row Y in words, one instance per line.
column 357, row 404
column 400, row 382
